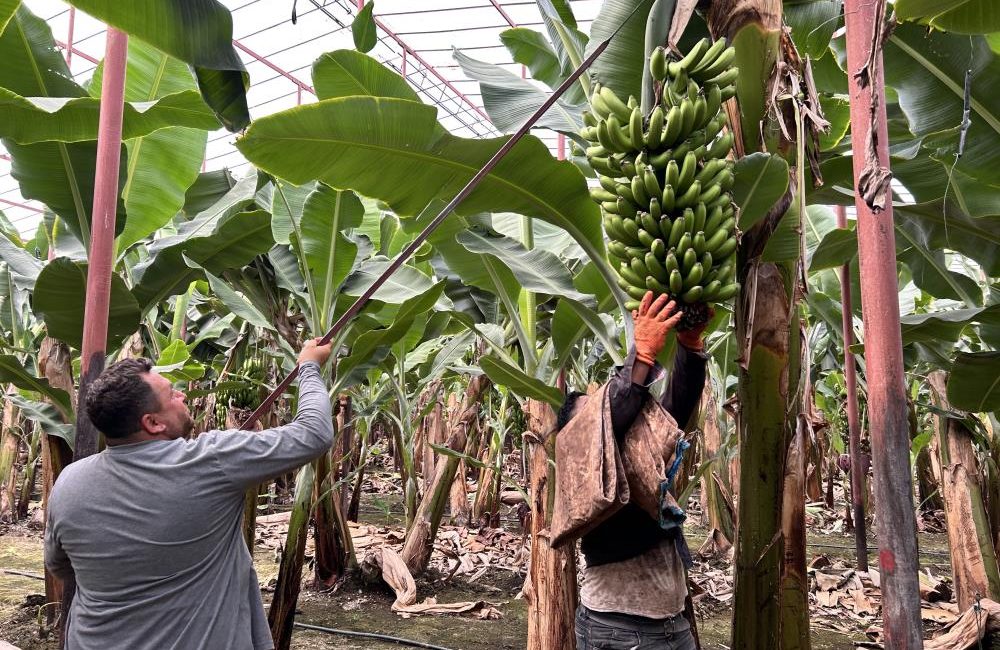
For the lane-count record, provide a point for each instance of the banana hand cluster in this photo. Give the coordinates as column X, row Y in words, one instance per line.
column 665, row 179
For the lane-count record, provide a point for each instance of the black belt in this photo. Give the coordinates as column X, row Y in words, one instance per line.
column 634, row 622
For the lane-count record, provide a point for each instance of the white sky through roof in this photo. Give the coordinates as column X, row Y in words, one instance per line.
column 263, row 30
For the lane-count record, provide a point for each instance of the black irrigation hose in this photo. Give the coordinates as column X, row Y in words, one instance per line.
column 371, row 635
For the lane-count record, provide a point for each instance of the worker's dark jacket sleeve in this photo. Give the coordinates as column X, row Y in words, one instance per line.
column 630, row 531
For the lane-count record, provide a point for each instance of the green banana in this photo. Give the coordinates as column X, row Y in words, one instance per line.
column 607, row 182
column 692, row 295
column 655, row 268
column 654, row 134
column 625, row 208
column 676, row 232
column 694, row 56
column 710, row 55
column 676, row 282
column 635, row 129
column 693, row 278
column 700, row 213
column 727, row 292
column 639, row 191
column 656, row 286
column 638, row 267
column 708, row 171
column 688, row 168
column 658, row 64
column 727, row 248
column 715, row 218
column 719, row 65
column 654, row 209
column 723, row 79
column 589, row 119
column 713, row 192
column 601, row 108
column 669, row 200
column 699, row 242
column 635, row 292
column 670, row 262
column 619, row 140
column 673, row 173
column 650, row 183
column 650, row 224
column 615, row 105
column 689, row 197
column 711, row 290
column 611, row 207
column 728, row 93
column 687, row 115
column 631, row 230
column 646, row 238
column 604, row 136
column 672, row 131
column 659, row 249
column 684, row 244
column 600, row 195
column 631, row 276
column 690, row 259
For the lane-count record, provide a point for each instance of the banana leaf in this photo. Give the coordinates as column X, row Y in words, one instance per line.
column 363, row 28
column 12, row 371
column 327, row 255
column 927, row 72
column 502, row 373
column 761, row 179
column 23, row 267
column 59, row 297
column 60, row 175
column 394, row 150
column 163, row 165
column 530, row 49
column 7, row 9
column 198, row 32
column 48, row 416
column 236, row 303
column 535, row 269
column 346, row 73
column 620, row 66
column 974, row 383
column 959, row 16
column 233, row 242
column 510, row 100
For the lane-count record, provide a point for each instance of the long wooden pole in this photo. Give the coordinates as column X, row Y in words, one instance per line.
column 853, row 421
column 890, row 431
column 407, row 252
column 100, row 255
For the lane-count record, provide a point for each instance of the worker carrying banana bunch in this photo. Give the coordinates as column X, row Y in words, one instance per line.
column 617, row 453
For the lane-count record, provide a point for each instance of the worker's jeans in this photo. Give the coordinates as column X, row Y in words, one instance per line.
column 605, row 631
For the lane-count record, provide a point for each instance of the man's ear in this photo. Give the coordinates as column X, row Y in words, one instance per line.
column 152, row 424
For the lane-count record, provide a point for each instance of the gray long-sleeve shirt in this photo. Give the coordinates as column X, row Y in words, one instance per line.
column 152, row 532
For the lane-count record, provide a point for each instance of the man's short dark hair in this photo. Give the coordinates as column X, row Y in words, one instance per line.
column 120, row 396
column 566, row 410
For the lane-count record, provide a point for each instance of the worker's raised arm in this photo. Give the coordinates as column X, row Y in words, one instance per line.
column 247, row 457
column 630, row 385
column 687, row 379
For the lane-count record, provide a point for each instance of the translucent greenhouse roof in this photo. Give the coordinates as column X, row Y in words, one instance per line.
column 415, row 38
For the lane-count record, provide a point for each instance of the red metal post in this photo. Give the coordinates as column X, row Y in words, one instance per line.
column 77, row 51
column 561, row 146
column 69, row 36
column 404, row 64
column 887, row 408
column 853, row 421
column 100, row 258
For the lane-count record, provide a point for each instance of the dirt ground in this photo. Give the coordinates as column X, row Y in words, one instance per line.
column 366, row 608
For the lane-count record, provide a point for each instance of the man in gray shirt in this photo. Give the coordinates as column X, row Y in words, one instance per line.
column 150, row 527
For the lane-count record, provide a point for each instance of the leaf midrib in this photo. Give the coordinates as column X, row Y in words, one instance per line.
column 948, row 82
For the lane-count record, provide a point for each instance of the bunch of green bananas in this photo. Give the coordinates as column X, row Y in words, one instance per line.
column 254, row 372
column 665, row 180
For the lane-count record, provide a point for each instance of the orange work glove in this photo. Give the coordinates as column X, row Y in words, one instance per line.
column 693, row 339
column 653, row 320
